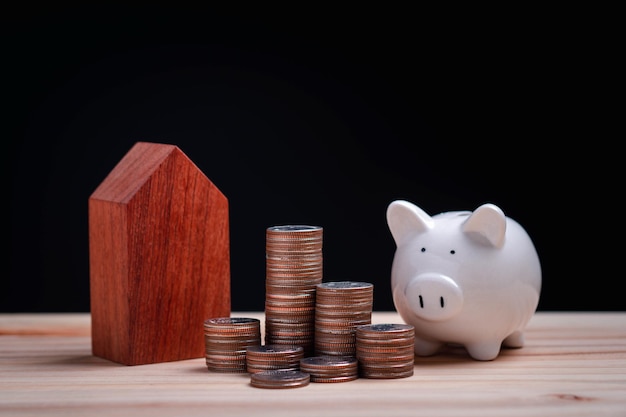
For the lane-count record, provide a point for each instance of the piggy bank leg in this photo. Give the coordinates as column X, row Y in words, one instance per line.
column 484, row 351
column 514, row 340
column 426, row 347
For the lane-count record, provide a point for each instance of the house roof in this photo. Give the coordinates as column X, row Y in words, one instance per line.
column 138, row 165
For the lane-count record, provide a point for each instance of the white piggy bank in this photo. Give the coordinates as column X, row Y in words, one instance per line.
column 464, row 278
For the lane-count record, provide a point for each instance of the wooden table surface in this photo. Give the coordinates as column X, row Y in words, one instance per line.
column 573, row 364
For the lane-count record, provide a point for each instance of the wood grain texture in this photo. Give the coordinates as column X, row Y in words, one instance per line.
column 159, row 257
column 573, row 364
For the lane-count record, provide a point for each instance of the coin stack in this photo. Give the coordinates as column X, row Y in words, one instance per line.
column 273, row 357
column 330, row 368
column 385, row 350
column 280, row 379
column 340, row 308
column 226, row 340
column 294, row 263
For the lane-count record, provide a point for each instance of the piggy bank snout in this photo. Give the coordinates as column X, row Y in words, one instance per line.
column 434, row 297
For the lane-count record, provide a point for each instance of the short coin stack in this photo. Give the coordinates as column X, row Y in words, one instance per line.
column 385, row 350
column 280, row 379
column 226, row 340
column 340, row 308
column 273, row 357
column 294, row 266
column 330, row 368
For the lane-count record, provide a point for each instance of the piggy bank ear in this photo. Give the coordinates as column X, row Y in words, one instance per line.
column 487, row 225
column 406, row 219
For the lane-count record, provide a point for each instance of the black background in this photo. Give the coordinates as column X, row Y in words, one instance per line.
column 318, row 116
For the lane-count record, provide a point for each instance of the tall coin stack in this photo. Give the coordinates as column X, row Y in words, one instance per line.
column 293, row 255
column 340, row 308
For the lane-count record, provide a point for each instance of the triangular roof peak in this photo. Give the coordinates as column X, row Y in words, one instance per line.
column 134, row 169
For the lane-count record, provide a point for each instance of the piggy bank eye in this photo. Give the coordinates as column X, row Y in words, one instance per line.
column 423, row 249
column 452, row 252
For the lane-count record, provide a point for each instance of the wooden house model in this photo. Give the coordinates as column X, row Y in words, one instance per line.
column 159, row 259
